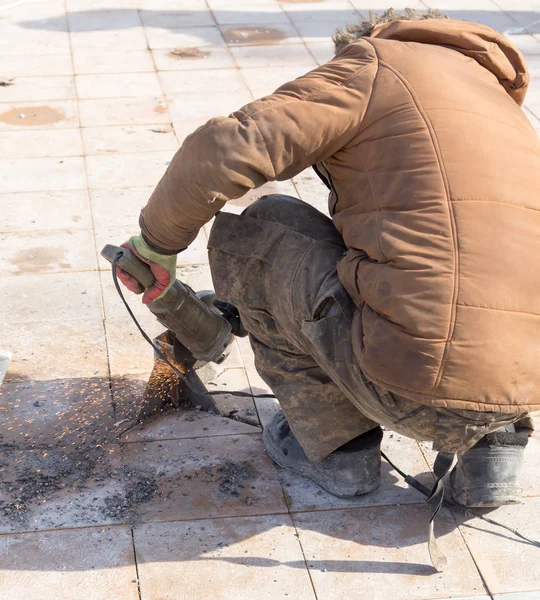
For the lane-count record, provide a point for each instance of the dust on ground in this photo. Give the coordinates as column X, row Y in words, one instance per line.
column 233, row 477
column 189, row 53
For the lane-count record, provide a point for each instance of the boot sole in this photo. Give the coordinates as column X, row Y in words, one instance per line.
column 341, row 490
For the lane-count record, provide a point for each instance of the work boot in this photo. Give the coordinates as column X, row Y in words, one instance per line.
column 487, row 475
column 342, row 473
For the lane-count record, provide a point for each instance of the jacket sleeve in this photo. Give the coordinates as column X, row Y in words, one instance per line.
column 275, row 138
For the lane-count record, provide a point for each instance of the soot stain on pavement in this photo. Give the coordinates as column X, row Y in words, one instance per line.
column 233, row 477
column 140, row 489
column 39, row 260
column 189, row 53
column 32, row 116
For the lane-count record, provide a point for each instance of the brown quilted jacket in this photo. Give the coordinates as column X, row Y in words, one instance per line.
column 435, row 178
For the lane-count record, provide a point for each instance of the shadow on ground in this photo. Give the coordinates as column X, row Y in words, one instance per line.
column 62, row 466
column 122, row 19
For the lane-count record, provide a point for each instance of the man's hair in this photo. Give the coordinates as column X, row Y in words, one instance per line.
column 345, row 36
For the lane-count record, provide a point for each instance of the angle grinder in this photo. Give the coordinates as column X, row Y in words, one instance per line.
column 200, row 330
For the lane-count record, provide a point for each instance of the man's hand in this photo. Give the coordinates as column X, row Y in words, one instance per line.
column 163, row 268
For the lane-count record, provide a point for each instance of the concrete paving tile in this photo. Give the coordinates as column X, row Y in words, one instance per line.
column 188, row 59
column 129, row 353
column 245, row 4
column 184, row 127
column 506, row 563
column 25, row 212
column 273, row 56
column 258, row 386
column 266, row 407
column 183, row 37
column 303, row 494
column 526, row 14
column 312, row 190
column 47, row 252
column 118, row 207
column 262, row 82
column 205, row 478
column 518, row 596
column 39, row 115
column 466, row 598
column 48, row 350
column 171, row 5
column 46, row 174
column 123, row 111
column 120, row 39
column 194, row 109
column 114, row 307
column 87, row 61
column 533, row 65
column 233, row 380
column 103, row 20
column 31, row 298
column 338, row 11
column 127, row 170
column 98, row 563
column 527, row 44
column 314, row 31
column 128, row 139
column 43, row 143
column 322, row 51
column 59, row 412
column 60, row 485
column 497, row 19
column 17, row 40
column 255, row 34
column 261, row 14
column 383, row 551
column 32, row 89
column 113, row 85
column 49, row 13
column 170, row 424
column 381, row 5
column 481, row 5
column 184, row 15
column 210, row 80
column 22, row 65
column 79, row 5
column 534, row 121
column 230, row 559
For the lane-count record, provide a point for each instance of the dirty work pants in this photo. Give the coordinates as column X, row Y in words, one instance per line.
column 277, row 264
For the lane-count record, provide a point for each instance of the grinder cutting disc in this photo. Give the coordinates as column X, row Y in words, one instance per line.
column 166, row 387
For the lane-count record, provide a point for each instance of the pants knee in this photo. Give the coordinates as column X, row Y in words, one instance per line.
column 268, row 207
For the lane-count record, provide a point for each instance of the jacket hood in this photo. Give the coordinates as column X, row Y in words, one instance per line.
column 488, row 48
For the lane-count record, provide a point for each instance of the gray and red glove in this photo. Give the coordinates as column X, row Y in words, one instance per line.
column 163, row 267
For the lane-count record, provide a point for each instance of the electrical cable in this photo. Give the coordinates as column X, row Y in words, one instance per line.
column 413, row 482
column 162, row 355
column 409, row 479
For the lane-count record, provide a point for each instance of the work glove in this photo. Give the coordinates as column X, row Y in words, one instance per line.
column 163, row 267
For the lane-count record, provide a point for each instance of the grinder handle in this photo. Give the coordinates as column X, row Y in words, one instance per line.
column 131, row 264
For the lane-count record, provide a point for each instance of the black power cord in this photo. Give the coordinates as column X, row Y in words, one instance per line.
column 161, row 355
column 413, row 482
column 409, row 479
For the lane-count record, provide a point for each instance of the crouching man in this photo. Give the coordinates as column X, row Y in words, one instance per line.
column 417, row 305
